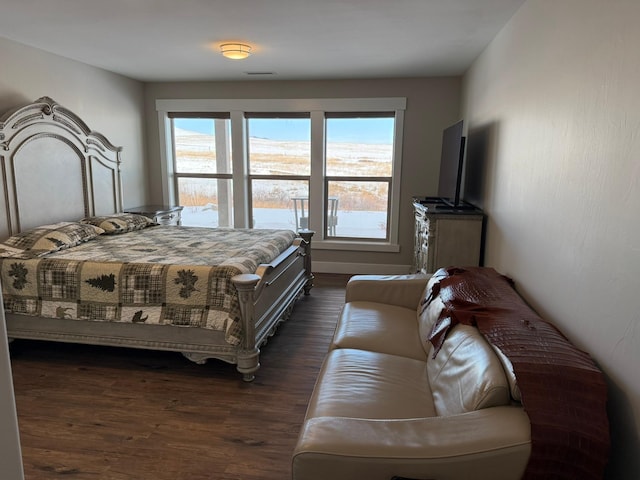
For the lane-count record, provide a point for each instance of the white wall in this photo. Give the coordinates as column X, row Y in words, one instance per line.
column 553, row 106
column 108, row 103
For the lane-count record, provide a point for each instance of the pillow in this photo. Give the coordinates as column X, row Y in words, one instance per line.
column 428, row 316
column 120, row 222
column 511, row 376
column 429, row 310
column 466, row 374
column 7, row 251
column 49, row 238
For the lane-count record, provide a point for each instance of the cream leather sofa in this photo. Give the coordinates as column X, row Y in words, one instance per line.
column 384, row 408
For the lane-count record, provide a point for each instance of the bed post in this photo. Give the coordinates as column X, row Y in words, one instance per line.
column 248, row 355
column 306, row 236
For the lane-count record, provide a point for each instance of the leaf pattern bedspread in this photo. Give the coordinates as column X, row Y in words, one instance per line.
column 162, row 275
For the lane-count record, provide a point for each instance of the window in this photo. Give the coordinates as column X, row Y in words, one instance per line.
column 202, row 169
column 331, row 165
column 358, row 174
column 279, row 150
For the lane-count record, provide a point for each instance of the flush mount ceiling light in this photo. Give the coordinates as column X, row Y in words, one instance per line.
column 235, row 51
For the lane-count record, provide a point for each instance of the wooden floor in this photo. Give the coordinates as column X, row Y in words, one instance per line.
column 111, row 413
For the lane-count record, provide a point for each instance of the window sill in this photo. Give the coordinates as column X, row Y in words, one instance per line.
column 354, row 245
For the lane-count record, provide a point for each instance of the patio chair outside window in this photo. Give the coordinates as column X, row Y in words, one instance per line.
column 301, row 213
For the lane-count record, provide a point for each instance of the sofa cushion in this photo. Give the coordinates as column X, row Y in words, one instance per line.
column 509, row 373
column 380, row 328
column 429, row 310
column 400, row 290
column 466, row 374
column 428, row 315
column 362, row 384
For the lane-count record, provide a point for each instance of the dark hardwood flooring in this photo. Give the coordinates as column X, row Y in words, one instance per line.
column 89, row 412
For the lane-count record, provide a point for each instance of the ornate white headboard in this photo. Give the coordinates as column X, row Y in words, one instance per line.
column 54, row 168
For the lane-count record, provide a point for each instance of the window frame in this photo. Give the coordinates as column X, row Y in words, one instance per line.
column 248, row 116
column 317, row 107
column 216, row 117
column 388, row 180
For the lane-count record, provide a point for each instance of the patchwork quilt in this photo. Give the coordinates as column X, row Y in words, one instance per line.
column 160, row 275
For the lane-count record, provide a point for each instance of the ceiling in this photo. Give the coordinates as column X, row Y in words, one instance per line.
column 178, row 40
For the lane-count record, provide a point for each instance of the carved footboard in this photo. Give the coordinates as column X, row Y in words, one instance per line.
column 267, row 298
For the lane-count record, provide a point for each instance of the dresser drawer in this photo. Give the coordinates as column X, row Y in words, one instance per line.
column 168, row 218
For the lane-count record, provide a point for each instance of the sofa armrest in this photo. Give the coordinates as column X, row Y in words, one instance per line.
column 490, row 443
column 401, row 290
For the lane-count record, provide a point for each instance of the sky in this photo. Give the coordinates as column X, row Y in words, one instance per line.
column 359, row 130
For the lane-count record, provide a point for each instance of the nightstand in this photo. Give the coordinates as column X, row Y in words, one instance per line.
column 162, row 214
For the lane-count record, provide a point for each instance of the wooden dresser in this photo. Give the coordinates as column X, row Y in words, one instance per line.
column 446, row 236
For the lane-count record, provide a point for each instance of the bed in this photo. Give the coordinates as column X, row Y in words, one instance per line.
column 76, row 269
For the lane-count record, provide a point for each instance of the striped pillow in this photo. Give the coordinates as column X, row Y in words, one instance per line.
column 48, row 238
column 120, row 222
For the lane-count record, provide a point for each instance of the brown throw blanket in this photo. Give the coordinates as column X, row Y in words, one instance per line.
column 563, row 391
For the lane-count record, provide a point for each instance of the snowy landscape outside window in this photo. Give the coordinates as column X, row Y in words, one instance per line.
column 333, row 170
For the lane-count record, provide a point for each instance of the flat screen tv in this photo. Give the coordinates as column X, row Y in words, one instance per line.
column 451, row 160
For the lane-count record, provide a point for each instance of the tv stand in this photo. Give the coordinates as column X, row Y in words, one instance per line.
column 446, row 234
column 459, row 207
column 440, row 203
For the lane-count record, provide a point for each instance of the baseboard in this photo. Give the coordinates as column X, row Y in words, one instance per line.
column 360, row 268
